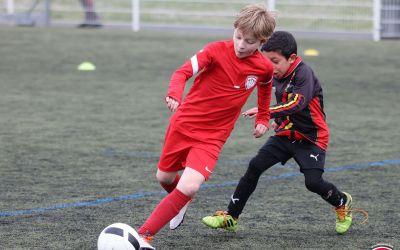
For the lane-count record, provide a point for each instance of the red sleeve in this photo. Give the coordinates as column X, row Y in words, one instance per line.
column 191, row 67
column 264, row 100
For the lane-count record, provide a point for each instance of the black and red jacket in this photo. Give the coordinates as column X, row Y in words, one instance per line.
column 299, row 111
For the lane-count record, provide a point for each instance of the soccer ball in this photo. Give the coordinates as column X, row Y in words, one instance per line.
column 118, row 236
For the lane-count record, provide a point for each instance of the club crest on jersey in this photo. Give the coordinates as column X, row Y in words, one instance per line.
column 250, row 81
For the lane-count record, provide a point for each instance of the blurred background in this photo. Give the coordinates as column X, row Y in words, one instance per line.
column 365, row 19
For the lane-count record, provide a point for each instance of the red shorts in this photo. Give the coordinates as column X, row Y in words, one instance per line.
column 182, row 151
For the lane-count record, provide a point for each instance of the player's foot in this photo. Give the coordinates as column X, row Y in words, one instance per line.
column 221, row 219
column 178, row 219
column 90, row 24
column 344, row 216
column 145, row 241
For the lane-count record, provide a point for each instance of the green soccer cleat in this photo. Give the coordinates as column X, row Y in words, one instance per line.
column 344, row 216
column 221, row 219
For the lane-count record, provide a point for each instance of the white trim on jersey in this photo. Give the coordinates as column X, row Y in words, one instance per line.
column 195, row 64
column 270, row 81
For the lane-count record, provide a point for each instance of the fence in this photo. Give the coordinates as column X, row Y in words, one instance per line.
column 390, row 18
column 363, row 18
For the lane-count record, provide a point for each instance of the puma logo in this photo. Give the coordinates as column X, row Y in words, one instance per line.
column 328, row 195
column 314, row 156
column 234, row 200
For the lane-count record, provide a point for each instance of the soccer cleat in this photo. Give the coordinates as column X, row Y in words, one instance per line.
column 178, row 219
column 145, row 241
column 221, row 219
column 344, row 216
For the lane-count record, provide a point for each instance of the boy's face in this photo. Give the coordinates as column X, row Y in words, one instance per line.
column 280, row 63
column 244, row 44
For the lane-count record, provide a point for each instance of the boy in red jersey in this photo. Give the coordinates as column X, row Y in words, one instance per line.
column 227, row 72
column 301, row 133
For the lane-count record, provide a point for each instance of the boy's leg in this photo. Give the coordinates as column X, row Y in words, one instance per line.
column 174, row 153
column 202, row 157
column 168, row 180
column 200, row 164
column 271, row 153
column 248, row 183
column 312, row 160
column 170, row 206
column 329, row 192
column 342, row 201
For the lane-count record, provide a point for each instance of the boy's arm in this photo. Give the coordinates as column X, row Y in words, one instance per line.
column 300, row 97
column 178, row 81
column 295, row 103
column 191, row 67
column 264, row 98
column 263, row 103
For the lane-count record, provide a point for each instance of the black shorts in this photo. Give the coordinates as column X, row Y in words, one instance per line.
column 305, row 153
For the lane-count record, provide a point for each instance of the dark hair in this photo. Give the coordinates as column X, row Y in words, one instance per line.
column 282, row 42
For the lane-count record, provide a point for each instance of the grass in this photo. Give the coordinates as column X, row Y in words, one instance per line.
column 70, row 136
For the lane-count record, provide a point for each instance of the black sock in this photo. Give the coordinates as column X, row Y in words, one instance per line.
column 239, row 198
column 335, row 198
column 342, row 199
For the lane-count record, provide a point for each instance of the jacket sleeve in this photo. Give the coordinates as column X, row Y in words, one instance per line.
column 263, row 102
column 190, row 68
column 298, row 98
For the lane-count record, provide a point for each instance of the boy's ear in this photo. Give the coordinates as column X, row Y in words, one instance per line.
column 292, row 58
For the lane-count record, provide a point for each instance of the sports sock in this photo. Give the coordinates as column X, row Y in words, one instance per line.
column 242, row 193
column 328, row 191
column 167, row 209
column 342, row 199
column 335, row 197
column 248, row 183
column 170, row 187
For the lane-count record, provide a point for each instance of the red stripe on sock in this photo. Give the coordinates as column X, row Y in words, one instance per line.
column 170, row 187
column 167, row 209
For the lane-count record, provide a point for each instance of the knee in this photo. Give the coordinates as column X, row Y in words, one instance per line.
column 164, row 177
column 313, row 185
column 254, row 170
column 188, row 188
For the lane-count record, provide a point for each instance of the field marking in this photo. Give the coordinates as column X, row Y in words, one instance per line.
column 356, row 166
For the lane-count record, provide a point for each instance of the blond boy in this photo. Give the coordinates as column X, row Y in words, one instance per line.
column 227, row 72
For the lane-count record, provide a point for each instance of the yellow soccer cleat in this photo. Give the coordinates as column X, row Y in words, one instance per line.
column 221, row 219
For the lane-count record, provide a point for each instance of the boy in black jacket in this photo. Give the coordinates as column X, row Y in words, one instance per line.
column 301, row 133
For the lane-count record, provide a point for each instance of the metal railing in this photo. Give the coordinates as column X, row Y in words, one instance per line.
column 371, row 18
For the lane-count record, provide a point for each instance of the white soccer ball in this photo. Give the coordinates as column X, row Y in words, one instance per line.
column 118, row 236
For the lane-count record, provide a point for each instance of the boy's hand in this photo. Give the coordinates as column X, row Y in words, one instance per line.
column 251, row 113
column 260, row 130
column 172, row 104
column 275, row 126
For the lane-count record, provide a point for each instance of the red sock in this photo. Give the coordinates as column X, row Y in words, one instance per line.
column 167, row 209
column 170, row 187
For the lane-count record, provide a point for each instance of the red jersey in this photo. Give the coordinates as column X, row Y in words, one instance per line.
column 221, row 88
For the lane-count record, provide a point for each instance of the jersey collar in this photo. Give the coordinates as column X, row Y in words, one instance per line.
column 292, row 67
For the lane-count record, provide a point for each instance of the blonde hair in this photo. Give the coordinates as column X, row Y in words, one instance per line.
column 257, row 20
